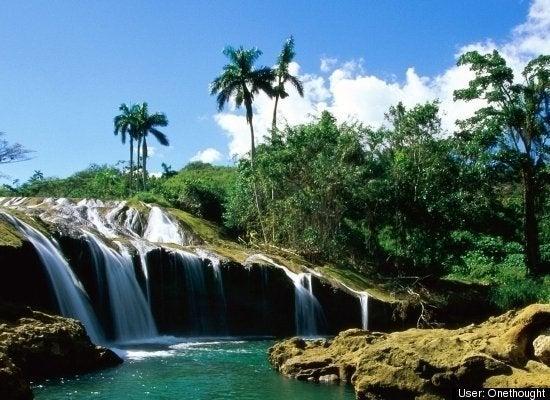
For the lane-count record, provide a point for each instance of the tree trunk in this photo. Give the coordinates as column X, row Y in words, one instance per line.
column 274, row 123
column 144, row 163
column 530, row 223
column 130, row 176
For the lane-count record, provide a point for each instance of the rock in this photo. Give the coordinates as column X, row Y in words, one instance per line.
column 332, row 378
column 36, row 346
column 12, row 383
column 424, row 364
column 541, row 349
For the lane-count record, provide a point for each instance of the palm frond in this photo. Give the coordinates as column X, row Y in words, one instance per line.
column 161, row 137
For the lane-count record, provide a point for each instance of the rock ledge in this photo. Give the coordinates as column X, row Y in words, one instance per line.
column 424, row 363
column 35, row 346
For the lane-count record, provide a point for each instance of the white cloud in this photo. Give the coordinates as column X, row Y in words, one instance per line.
column 348, row 92
column 235, row 127
column 327, row 64
column 209, row 155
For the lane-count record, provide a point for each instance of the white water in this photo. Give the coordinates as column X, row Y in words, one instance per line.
column 364, row 299
column 132, row 318
column 71, row 298
column 161, row 229
column 308, row 313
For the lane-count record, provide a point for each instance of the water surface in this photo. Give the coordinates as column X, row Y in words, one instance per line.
column 191, row 369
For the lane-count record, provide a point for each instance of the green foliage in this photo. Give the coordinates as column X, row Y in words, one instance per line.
column 305, row 178
column 199, row 188
column 513, row 292
column 511, row 132
column 136, row 122
column 103, row 182
column 241, row 80
column 148, row 197
column 496, row 262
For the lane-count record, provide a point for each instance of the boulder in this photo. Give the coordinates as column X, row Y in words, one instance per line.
column 35, row 346
column 541, row 347
column 12, row 383
column 425, row 363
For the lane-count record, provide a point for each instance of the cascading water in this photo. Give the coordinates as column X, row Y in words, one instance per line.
column 187, row 293
column 160, row 229
column 131, row 316
column 308, row 313
column 71, row 298
column 196, row 294
column 364, row 299
column 216, row 269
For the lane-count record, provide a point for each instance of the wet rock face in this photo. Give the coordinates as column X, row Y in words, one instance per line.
column 36, row 346
column 427, row 363
column 12, row 383
column 17, row 266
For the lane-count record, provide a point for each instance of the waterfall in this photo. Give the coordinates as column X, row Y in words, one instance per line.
column 132, row 319
column 217, row 272
column 71, row 298
column 308, row 313
column 92, row 216
column 197, row 298
column 161, row 229
column 364, row 299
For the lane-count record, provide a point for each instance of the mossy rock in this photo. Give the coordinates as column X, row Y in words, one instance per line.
column 425, row 363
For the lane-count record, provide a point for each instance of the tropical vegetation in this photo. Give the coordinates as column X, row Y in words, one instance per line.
column 241, row 80
column 403, row 201
column 136, row 122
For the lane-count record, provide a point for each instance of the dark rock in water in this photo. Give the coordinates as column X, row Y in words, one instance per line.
column 12, row 383
column 424, row 363
column 35, row 346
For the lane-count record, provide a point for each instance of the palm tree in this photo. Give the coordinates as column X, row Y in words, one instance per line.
column 240, row 80
column 126, row 123
column 282, row 75
column 148, row 124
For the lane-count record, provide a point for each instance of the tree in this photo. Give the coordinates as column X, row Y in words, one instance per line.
column 317, row 168
column 12, row 152
column 126, row 123
column 512, row 129
column 282, row 76
column 414, row 189
column 146, row 124
column 241, row 80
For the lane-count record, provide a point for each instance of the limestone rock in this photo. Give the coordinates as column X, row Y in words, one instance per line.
column 541, row 348
column 36, row 346
column 424, row 364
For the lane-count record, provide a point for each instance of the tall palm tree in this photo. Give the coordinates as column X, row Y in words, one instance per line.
column 241, row 80
column 282, row 75
column 126, row 124
column 148, row 124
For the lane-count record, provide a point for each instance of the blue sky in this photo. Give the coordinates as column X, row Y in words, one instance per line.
column 66, row 66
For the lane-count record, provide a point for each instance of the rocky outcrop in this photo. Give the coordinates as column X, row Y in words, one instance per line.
column 424, row 364
column 36, row 346
column 541, row 347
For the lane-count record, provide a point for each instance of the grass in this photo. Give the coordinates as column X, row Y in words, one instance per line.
column 9, row 236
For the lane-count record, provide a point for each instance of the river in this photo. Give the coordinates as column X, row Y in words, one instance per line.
column 201, row 369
